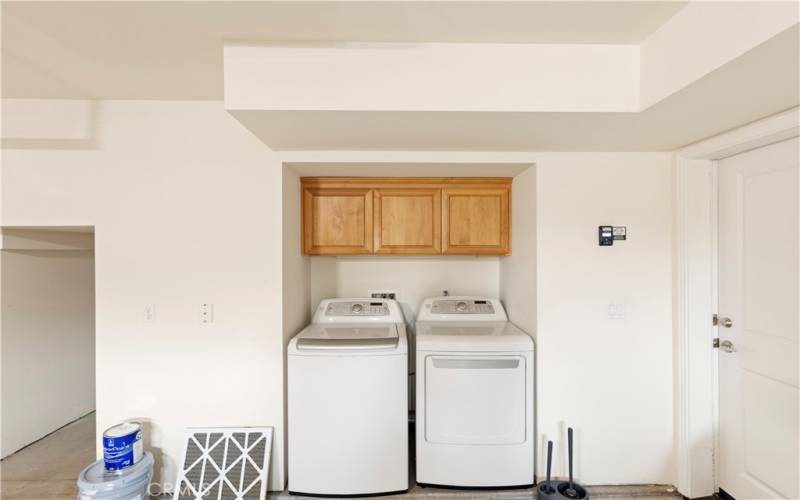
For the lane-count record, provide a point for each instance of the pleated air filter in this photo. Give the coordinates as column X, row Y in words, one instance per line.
column 225, row 464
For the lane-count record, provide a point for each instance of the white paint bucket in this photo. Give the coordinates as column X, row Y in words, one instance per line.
column 95, row 482
column 122, row 446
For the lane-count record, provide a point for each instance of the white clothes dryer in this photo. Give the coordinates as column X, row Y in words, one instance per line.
column 475, row 395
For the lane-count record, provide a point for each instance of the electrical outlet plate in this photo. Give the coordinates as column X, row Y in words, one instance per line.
column 206, row 313
column 383, row 294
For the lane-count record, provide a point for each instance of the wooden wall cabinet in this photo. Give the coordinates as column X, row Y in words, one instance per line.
column 476, row 221
column 337, row 221
column 408, row 221
column 406, row 216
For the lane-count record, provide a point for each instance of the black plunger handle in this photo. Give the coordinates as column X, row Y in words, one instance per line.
column 569, row 441
column 549, row 460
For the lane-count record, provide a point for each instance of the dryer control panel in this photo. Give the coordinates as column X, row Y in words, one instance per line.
column 461, row 308
column 465, row 306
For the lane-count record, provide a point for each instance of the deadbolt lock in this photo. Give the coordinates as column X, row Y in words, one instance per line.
column 722, row 321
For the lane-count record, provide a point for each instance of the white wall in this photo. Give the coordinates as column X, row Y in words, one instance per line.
column 186, row 206
column 296, row 267
column 296, row 272
column 610, row 379
column 48, row 119
column 518, row 270
column 48, row 376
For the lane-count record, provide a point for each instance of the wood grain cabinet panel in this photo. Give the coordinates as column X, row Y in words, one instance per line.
column 408, row 221
column 406, row 215
column 476, row 221
column 337, row 221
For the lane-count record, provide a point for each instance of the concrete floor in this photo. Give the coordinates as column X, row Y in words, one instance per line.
column 627, row 492
column 49, row 468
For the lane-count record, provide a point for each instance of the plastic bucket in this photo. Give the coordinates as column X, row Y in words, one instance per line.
column 95, row 482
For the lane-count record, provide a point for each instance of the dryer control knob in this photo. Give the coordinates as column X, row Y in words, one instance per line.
column 461, row 306
column 356, row 308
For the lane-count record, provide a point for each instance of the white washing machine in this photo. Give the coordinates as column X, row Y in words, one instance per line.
column 475, row 395
column 348, row 400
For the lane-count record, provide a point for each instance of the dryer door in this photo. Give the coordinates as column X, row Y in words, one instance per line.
column 475, row 399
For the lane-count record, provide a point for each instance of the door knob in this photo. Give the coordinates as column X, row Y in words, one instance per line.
column 723, row 321
column 727, row 346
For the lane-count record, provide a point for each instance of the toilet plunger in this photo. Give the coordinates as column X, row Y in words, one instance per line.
column 570, row 492
column 546, row 489
column 549, row 488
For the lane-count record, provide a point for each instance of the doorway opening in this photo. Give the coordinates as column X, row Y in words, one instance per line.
column 47, row 330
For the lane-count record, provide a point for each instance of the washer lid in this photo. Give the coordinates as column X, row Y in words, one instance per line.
column 470, row 336
column 339, row 336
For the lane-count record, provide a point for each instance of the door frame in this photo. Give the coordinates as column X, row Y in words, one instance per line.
column 695, row 293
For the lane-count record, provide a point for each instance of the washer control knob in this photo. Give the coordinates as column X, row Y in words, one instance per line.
column 461, row 306
column 356, row 308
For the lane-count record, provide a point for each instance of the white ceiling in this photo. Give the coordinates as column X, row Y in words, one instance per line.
column 761, row 82
column 173, row 50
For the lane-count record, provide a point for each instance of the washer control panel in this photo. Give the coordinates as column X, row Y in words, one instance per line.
column 357, row 308
column 462, row 306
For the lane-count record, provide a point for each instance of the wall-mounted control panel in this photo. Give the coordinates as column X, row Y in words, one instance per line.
column 607, row 234
column 360, row 308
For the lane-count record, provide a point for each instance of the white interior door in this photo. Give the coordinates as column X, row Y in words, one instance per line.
column 758, row 293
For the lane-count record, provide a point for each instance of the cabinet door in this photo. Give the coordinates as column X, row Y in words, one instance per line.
column 476, row 221
column 408, row 221
column 337, row 221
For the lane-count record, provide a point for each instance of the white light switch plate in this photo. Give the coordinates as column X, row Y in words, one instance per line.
column 150, row 313
column 616, row 310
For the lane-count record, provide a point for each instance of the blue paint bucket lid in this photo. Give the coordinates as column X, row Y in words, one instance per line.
column 96, row 481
